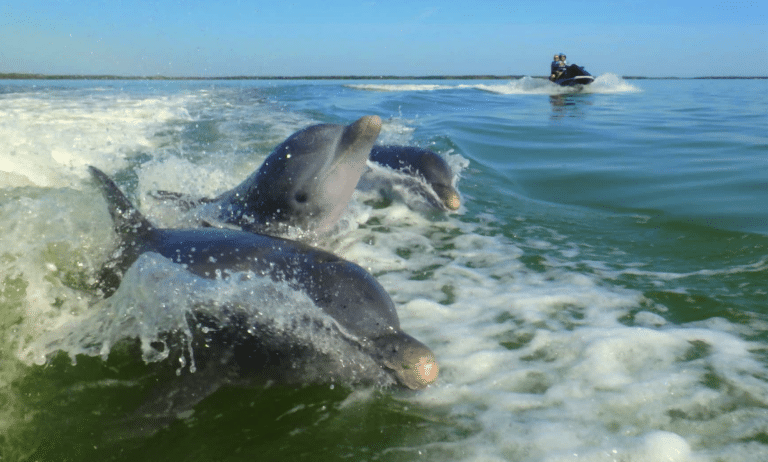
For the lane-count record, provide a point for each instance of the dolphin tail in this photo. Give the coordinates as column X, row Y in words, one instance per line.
column 132, row 230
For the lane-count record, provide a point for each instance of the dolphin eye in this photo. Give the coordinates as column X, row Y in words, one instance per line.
column 301, row 197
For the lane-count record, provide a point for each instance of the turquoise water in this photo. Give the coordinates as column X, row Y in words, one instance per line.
column 600, row 295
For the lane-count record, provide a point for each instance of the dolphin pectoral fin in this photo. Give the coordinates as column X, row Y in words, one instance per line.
column 164, row 195
column 176, row 392
column 184, row 202
column 217, row 224
column 172, row 400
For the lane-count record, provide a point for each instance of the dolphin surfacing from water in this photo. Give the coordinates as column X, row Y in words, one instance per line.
column 363, row 310
column 305, row 183
column 427, row 170
column 308, row 180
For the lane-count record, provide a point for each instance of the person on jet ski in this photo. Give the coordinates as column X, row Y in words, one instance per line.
column 558, row 67
column 553, row 67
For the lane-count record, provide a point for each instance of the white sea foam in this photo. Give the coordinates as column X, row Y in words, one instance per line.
column 396, row 131
column 574, row 381
column 611, row 83
column 401, row 87
column 37, row 248
column 50, row 138
column 605, row 83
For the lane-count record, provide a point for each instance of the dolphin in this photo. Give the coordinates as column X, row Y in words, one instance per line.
column 365, row 314
column 305, row 183
column 426, row 168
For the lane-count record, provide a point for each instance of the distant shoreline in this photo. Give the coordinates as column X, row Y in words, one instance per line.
column 21, row 76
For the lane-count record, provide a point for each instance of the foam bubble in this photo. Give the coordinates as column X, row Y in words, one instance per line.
column 666, row 446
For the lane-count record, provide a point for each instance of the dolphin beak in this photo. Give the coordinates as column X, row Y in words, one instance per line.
column 361, row 134
column 453, row 202
column 448, row 195
column 367, row 126
column 411, row 362
column 420, row 373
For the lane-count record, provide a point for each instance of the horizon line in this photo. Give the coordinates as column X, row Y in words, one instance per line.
column 34, row 76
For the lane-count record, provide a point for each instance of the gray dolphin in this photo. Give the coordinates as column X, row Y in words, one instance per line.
column 306, row 182
column 424, row 165
column 343, row 290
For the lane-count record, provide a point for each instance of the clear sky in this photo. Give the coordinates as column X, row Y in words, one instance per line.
column 411, row 37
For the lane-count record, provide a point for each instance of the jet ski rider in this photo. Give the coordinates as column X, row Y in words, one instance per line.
column 558, row 67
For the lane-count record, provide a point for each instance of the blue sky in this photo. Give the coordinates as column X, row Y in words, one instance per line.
column 393, row 37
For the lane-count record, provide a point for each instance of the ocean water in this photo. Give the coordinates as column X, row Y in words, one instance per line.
column 601, row 295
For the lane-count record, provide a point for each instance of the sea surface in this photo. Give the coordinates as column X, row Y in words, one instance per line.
column 601, row 294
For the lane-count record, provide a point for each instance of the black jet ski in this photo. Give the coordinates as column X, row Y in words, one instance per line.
column 574, row 75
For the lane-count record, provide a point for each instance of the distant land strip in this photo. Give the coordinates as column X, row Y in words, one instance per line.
column 22, row 76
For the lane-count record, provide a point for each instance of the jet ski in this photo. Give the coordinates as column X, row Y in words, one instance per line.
column 574, row 75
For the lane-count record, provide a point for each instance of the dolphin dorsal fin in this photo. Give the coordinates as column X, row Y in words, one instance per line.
column 129, row 223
